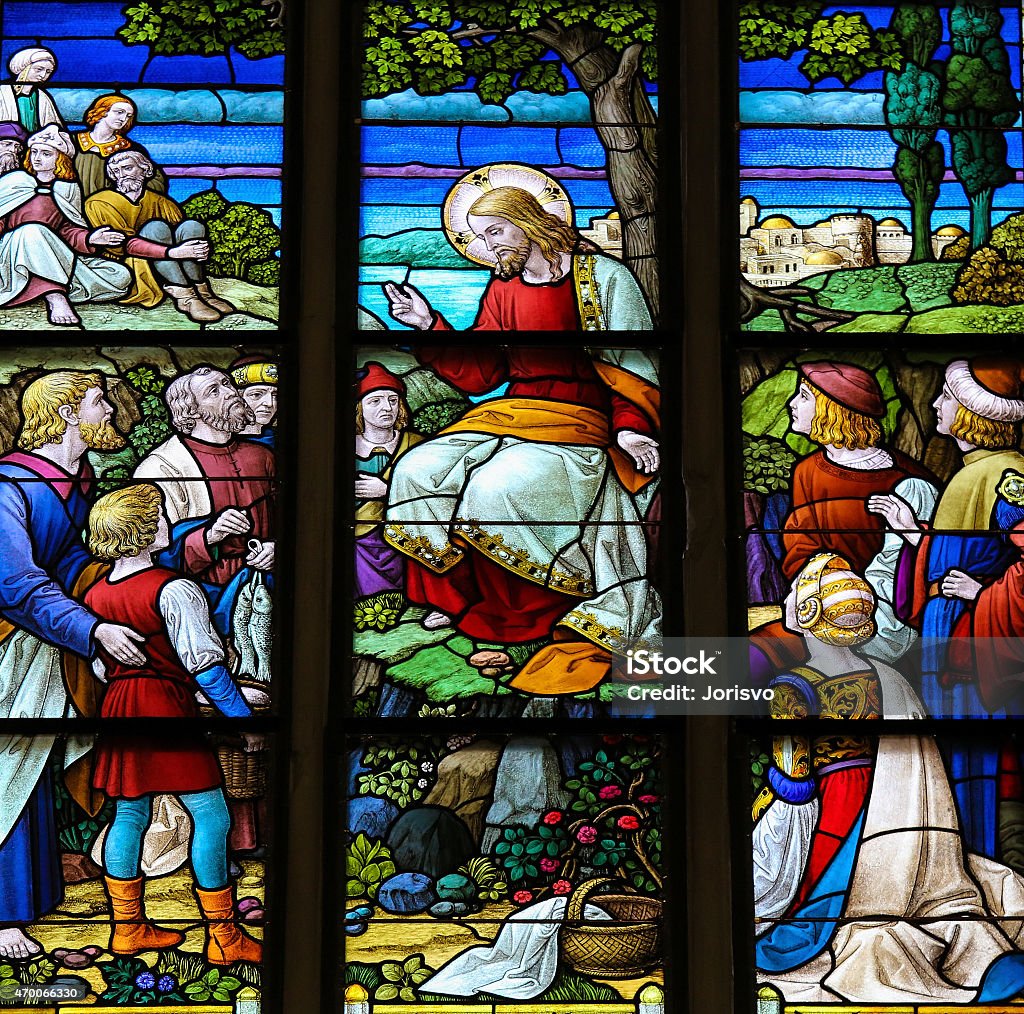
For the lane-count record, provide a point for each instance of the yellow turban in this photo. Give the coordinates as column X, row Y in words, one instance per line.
column 247, row 374
column 834, row 603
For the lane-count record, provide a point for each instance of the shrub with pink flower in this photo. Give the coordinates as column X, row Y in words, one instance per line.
column 549, row 865
column 628, row 822
column 610, row 792
column 561, row 887
column 587, row 834
column 522, row 897
column 648, row 799
column 552, row 817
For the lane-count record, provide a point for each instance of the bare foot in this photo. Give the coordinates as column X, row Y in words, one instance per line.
column 436, row 620
column 59, row 310
column 15, row 944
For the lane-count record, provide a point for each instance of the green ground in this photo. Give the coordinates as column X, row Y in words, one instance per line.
column 257, row 305
column 907, row 298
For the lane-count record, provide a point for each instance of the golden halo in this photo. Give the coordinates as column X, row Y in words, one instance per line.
column 464, row 193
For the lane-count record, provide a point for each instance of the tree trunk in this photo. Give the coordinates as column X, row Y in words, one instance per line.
column 627, row 126
column 981, row 217
column 921, row 215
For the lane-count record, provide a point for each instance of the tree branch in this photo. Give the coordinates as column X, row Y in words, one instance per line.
column 629, row 62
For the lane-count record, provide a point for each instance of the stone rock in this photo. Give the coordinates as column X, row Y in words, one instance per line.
column 489, row 660
column 465, row 780
column 366, row 675
column 353, row 769
column 355, row 929
column 77, row 868
column 371, row 815
column 528, row 784
column 541, row 707
column 396, row 702
column 455, row 887
column 430, row 840
column 445, row 909
column 405, row 894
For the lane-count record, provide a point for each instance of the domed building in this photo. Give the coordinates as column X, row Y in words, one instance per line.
column 944, row 236
column 893, row 243
column 606, row 233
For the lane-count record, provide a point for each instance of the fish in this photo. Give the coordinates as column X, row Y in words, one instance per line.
column 261, row 630
column 247, row 663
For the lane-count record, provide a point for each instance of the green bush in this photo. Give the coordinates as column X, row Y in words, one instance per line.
column 378, row 612
column 767, row 465
column 244, row 237
column 367, row 865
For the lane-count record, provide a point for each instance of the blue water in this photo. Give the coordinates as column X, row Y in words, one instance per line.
column 443, row 145
column 862, row 149
column 453, row 293
column 385, row 219
column 197, row 144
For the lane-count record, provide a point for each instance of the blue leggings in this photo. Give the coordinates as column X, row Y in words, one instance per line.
column 211, row 823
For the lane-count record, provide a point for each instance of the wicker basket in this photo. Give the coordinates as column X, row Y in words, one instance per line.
column 621, row 949
column 245, row 774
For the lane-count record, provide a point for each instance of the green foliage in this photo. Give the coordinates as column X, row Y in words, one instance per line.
column 572, row 988
column 433, row 417
column 203, row 27
column 1008, row 238
column 378, row 612
column 243, row 237
column 876, row 289
column 402, row 979
column 215, row 985
column 76, row 829
column 365, row 975
column 130, row 980
column 913, row 106
column 767, row 465
column 927, row 285
column 919, row 28
column 957, row 250
column 401, row 772
column 489, row 881
column 520, row 851
column 9, row 985
column 840, row 45
column 436, row 46
column 759, row 764
column 994, row 275
column 367, row 865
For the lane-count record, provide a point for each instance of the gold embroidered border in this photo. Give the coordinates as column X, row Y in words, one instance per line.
column 518, row 561
column 438, row 559
column 588, row 296
column 612, row 638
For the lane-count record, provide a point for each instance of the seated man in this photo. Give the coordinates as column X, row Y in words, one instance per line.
column 164, row 249
column 46, row 249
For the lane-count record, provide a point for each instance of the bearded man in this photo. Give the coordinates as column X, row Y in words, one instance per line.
column 218, row 489
column 546, row 278
column 12, row 147
column 45, row 634
column 165, row 250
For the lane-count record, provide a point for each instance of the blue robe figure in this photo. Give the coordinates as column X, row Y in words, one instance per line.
column 42, row 559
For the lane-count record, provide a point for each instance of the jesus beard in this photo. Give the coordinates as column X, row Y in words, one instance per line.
column 101, row 436
column 234, row 419
column 511, row 260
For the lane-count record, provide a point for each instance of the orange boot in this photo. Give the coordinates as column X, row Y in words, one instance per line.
column 132, row 932
column 225, row 942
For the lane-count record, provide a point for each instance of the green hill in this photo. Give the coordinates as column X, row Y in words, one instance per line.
column 419, row 248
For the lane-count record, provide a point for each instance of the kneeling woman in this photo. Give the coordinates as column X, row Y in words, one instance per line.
column 183, row 653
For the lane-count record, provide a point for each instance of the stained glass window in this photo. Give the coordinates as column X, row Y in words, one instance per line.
column 878, row 171
column 548, row 125
column 158, row 135
column 141, row 511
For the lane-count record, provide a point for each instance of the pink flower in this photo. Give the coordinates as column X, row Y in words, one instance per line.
column 648, row 800
column 610, row 792
column 552, row 817
column 522, row 897
column 628, row 823
column 561, row 887
column 549, row 865
column 587, row 834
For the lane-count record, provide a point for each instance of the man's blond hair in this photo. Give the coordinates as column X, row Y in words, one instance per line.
column 981, row 432
column 42, row 400
column 838, row 426
column 551, row 234
column 124, row 523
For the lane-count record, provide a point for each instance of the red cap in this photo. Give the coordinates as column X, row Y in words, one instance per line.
column 851, row 386
column 374, row 377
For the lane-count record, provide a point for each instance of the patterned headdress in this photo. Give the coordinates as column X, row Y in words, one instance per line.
column 834, row 603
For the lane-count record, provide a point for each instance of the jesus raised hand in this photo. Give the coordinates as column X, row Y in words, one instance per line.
column 408, row 306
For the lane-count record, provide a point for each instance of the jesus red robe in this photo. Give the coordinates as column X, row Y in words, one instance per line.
column 486, row 600
column 515, row 305
column 830, row 514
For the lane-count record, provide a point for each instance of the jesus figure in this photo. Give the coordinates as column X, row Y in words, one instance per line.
column 546, row 277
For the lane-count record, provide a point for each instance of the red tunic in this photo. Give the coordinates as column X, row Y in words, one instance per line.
column 128, row 767
column 515, row 305
column 830, row 512
column 239, row 474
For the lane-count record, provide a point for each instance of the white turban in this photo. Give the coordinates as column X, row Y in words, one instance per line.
column 53, row 137
column 24, row 58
